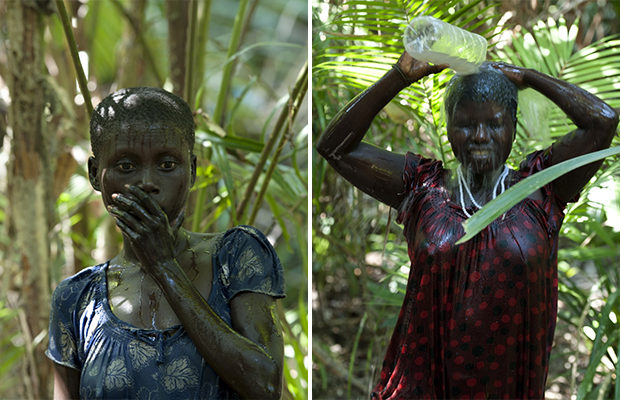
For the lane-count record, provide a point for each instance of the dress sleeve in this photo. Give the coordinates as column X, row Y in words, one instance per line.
column 552, row 204
column 62, row 346
column 248, row 263
column 418, row 172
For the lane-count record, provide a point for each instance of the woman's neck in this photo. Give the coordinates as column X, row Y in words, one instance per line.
column 129, row 258
column 482, row 185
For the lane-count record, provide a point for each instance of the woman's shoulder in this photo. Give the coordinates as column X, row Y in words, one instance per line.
column 248, row 262
column 420, row 170
column 238, row 236
column 73, row 292
column 77, row 282
column 244, row 232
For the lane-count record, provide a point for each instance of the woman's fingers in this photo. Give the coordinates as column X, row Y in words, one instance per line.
column 178, row 222
column 512, row 72
column 126, row 203
column 126, row 222
column 147, row 201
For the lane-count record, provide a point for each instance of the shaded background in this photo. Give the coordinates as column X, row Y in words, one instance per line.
column 359, row 261
column 245, row 74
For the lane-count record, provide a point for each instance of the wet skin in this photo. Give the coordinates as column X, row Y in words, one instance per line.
column 163, row 275
column 378, row 172
column 481, row 136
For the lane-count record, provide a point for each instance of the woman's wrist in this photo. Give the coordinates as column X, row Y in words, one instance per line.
column 168, row 273
column 399, row 71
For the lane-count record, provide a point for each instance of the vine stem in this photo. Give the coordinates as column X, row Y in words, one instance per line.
column 218, row 114
column 147, row 50
column 288, row 113
column 188, row 90
column 301, row 81
column 79, row 71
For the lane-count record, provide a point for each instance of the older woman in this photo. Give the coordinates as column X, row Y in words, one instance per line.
column 478, row 319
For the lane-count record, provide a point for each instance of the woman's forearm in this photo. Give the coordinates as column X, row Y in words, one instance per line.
column 241, row 363
column 596, row 124
column 349, row 126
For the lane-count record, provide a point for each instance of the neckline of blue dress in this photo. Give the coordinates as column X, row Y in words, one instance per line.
column 149, row 334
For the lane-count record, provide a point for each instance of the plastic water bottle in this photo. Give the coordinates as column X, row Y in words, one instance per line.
column 432, row 40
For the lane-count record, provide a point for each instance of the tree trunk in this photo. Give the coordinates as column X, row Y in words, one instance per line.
column 29, row 188
column 178, row 20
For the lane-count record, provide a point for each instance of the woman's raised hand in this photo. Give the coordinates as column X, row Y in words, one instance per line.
column 414, row 70
column 512, row 72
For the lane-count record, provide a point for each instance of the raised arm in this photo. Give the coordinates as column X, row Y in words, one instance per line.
column 373, row 170
column 596, row 124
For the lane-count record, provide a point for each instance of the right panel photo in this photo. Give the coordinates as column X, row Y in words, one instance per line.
column 466, row 199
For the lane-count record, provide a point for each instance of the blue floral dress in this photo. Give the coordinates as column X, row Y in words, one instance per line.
column 119, row 360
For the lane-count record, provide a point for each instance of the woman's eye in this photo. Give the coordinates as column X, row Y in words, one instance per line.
column 125, row 166
column 168, row 165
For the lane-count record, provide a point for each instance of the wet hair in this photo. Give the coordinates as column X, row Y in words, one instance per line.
column 141, row 107
column 487, row 85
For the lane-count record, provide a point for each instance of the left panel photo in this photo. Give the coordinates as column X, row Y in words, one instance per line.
column 153, row 199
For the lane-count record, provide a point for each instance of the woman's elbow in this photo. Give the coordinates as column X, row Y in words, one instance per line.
column 269, row 382
column 273, row 381
column 609, row 120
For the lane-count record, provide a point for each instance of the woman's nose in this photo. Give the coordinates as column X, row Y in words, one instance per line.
column 481, row 135
column 147, row 183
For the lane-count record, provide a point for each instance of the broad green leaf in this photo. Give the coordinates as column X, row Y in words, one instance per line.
column 502, row 203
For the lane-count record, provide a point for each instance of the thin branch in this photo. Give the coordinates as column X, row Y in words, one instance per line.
column 299, row 92
column 79, row 71
column 335, row 367
column 270, row 144
column 203, row 34
column 228, row 67
column 188, row 90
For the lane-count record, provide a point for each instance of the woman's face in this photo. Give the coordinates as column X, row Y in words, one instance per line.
column 156, row 159
column 481, row 135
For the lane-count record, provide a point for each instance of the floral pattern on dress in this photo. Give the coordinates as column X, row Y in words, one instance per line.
column 116, row 375
column 140, row 353
column 179, row 375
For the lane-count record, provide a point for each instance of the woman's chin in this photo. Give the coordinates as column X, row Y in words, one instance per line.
column 481, row 166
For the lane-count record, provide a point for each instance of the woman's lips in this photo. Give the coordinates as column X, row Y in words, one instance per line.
column 480, row 152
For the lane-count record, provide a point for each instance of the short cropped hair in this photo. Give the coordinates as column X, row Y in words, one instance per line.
column 487, row 85
column 142, row 106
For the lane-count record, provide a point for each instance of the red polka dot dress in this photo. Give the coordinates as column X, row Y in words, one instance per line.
column 477, row 320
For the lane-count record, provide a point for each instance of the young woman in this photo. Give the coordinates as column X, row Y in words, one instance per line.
column 478, row 319
column 176, row 314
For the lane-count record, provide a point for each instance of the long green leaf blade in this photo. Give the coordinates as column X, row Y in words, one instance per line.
column 521, row 190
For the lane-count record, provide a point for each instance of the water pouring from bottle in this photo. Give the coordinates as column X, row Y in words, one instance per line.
column 432, row 40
